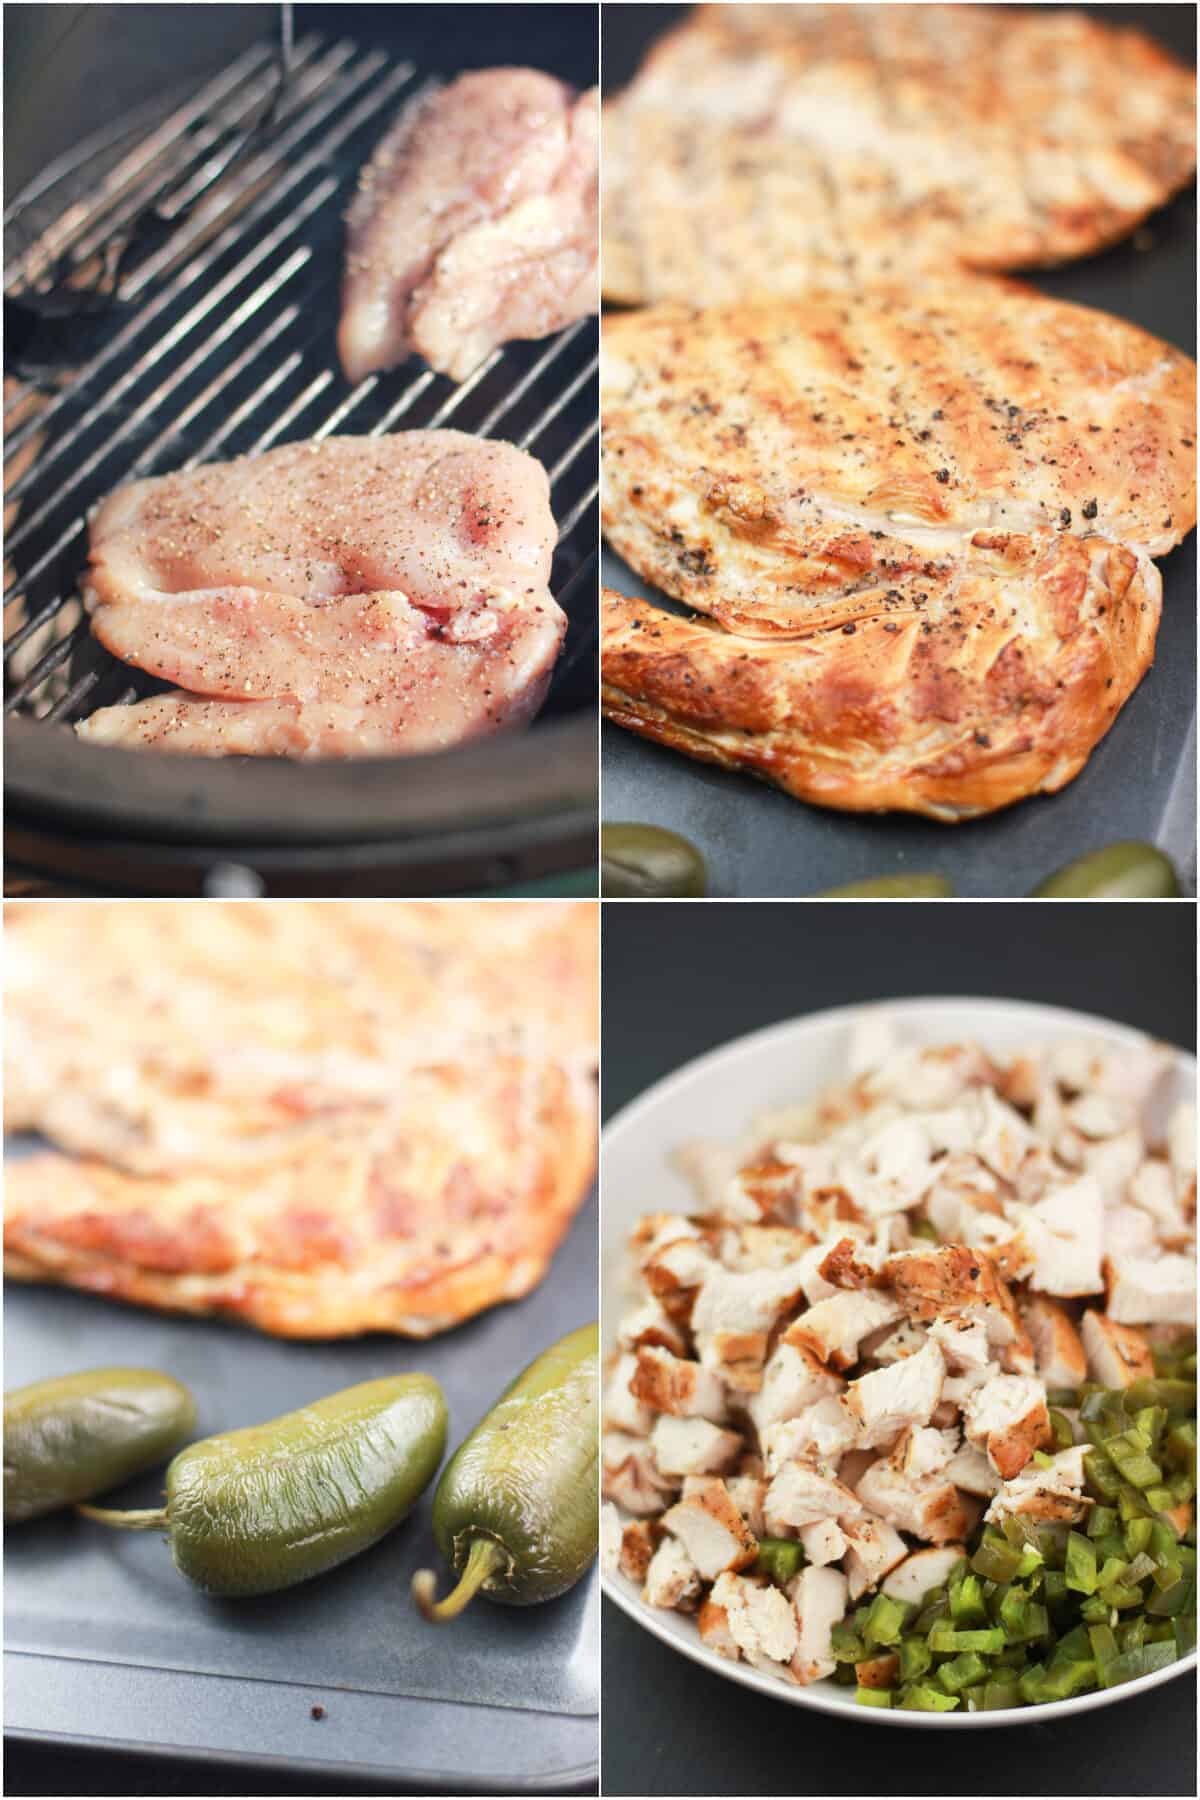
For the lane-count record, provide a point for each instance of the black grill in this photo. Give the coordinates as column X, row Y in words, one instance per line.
column 221, row 342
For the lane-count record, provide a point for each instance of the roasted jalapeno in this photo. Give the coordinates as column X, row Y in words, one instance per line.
column 252, row 1511
column 893, row 887
column 516, row 1513
column 78, row 1435
column 1128, row 871
column 646, row 862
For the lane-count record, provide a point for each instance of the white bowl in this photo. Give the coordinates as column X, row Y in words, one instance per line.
column 716, row 1097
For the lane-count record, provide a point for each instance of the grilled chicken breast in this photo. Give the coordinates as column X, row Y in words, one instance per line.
column 456, row 1200
column 380, row 594
column 922, row 529
column 207, row 1034
column 317, row 1119
column 766, row 149
column 476, row 222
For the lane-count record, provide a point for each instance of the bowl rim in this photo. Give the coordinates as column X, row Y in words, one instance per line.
column 672, row 1628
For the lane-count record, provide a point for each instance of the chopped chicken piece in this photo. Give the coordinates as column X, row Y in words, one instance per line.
column 1153, row 1191
column 631, row 1475
column 713, row 1623
column 649, row 1323
column 813, row 1284
column 752, row 1302
column 1113, row 1162
column 674, row 1274
column 475, row 223
column 1181, row 1148
column 763, row 1190
column 709, row 1168
column 1142, row 1290
column 874, row 1548
column 819, row 1433
column 748, row 1492
column 925, row 1450
column 825, row 1542
column 896, row 1342
column 893, row 1168
column 622, row 1408
column 693, row 1446
column 970, row 1470
column 873, row 1042
column 1061, row 1362
column 952, row 1283
column 928, row 1506
column 903, row 1394
column 833, row 1328
column 926, row 1079
column 922, row 1573
column 1128, row 1231
column 654, row 1231
column 1046, row 1494
column 669, row 1384
column 1098, row 1115
column 1117, row 1355
column 1008, row 1418
column 672, row 1580
column 820, row 1603
column 639, row 1540
column 760, row 1619
column 803, row 1495
column 736, row 1358
column 610, row 1538
column 749, row 1247
column 1064, row 1234
column 963, row 1342
column 792, row 1379
column 712, row 1530
column 1001, row 1138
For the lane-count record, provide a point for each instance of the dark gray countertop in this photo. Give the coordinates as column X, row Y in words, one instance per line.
column 681, row 978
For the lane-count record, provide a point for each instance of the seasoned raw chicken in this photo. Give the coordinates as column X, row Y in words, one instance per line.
column 914, row 520
column 363, row 594
column 763, row 149
column 475, row 222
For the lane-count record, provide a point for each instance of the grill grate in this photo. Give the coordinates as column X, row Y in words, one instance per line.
column 222, row 343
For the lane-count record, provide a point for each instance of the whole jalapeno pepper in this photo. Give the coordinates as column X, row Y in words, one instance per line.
column 77, row 1435
column 516, row 1512
column 256, row 1510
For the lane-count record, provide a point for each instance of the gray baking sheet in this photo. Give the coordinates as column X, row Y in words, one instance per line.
column 106, row 1641
column 1139, row 782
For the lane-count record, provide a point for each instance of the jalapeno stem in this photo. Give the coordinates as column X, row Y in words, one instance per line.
column 485, row 1558
column 150, row 1518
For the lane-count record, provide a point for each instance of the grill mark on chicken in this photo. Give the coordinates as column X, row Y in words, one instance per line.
column 927, row 571
column 916, row 136
column 475, row 223
column 369, row 596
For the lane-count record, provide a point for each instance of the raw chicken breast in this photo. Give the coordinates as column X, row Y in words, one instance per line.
column 335, row 598
column 475, row 223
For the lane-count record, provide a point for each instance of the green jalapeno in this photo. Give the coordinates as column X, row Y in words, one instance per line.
column 78, row 1435
column 516, row 1513
column 252, row 1511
